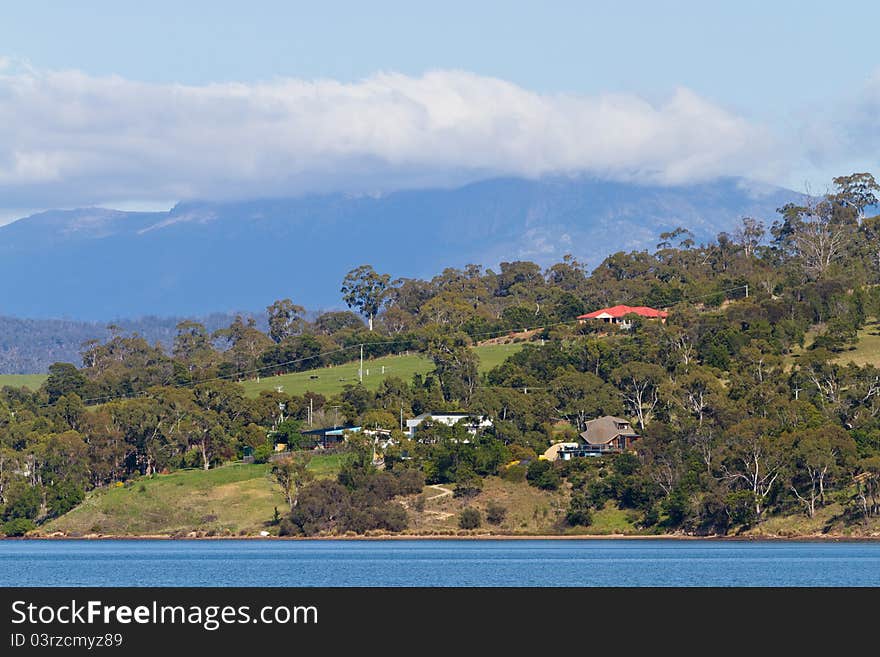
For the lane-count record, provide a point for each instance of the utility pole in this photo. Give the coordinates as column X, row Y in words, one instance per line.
column 747, row 290
column 361, row 369
column 311, row 410
column 335, row 416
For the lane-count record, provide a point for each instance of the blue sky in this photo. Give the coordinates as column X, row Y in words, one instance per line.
column 789, row 88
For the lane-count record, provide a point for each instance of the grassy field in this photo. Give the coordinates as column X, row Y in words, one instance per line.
column 331, row 380
column 32, row 381
column 865, row 352
column 232, row 500
column 529, row 510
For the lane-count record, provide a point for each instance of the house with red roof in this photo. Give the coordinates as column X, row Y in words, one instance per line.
column 617, row 315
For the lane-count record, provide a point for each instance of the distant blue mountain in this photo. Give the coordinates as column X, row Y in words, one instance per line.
column 202, row 257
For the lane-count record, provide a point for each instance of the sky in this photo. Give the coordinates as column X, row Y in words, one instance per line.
column 139, row 105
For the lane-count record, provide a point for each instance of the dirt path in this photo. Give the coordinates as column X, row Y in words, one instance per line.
column 444, row 492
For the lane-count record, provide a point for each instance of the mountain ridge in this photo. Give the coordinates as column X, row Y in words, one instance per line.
column 208, row 256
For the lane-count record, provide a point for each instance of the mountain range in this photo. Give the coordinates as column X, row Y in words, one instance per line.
column 202, row 257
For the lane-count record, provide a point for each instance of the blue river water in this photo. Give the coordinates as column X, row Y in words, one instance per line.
column 655, row 562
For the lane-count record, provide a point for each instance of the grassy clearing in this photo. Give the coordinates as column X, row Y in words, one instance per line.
column 866, row 351
column 235, row 499
column 32, row 381
column 611, row 520
column 332, row 380
column 529, row 510
column 326, row 465
column 828, row 521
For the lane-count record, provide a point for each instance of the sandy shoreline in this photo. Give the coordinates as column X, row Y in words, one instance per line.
column 468, row 537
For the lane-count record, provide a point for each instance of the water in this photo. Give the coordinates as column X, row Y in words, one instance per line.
column 438, row 563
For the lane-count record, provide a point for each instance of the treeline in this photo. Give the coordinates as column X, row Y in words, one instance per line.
column 743, row 401
column 30, row 346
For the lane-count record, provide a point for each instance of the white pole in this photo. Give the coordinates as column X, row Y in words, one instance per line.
column 361, row 369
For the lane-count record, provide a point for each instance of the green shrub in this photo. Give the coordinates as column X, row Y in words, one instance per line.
column 17, row 527
column 543, row 475
column 515, row 473
column 579, row 513
column 469, row 519
column 495, row 513
column 23, row 501
column 468, row 483
column 262, row 453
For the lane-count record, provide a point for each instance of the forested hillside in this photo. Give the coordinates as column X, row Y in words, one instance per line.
column 29, row 346
column 749, row 413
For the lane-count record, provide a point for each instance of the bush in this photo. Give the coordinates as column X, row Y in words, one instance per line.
column 495, row 513
column 579, row 513
column 262, row 453
column 741, row 506
column 17, row 527
column 409, row 481
column 391, row 517
column 469, row 519
column 62, row 497
column 23, row 501
column 468, row 483
column 515, row 473
column 542, row 474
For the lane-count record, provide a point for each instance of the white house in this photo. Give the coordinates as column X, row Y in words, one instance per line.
column 473, row 422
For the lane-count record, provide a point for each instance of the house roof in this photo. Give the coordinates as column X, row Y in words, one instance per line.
column 425, row 416
column 603, row 430
column 330, row 431
column 621, row 311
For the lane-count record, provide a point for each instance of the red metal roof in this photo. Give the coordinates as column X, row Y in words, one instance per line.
column 621, row 311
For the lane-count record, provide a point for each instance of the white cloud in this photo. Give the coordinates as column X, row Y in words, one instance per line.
column 68, row 138
column 842, row 135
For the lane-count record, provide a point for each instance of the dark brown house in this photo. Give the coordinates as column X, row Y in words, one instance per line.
column 604, row 435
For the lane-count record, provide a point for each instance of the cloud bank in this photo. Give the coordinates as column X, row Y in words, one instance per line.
column 67, row 138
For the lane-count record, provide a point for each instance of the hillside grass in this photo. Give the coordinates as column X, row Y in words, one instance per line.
column 235, row 499
column 332, row 380
column 529, row 510
column 866, row 350
column 32, row 381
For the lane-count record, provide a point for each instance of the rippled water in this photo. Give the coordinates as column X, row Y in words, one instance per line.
column 633, row 562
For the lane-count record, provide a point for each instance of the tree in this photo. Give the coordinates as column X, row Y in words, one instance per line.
column 857, row 191
column 818, row 455
column 192, row 343
column 63, row 379
column 696, row 392
column 579, row 513
column 813, row 234
column 285, row 319
column 291, row 474
column 582, row 396
column 639, row 384
column 365, row 290
column 455, row 363
column 246, row 342
column 755, row 458
column 749, row 235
